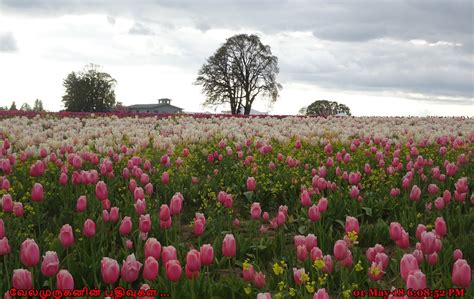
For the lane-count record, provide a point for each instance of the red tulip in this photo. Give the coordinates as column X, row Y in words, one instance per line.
column 110, row 270
column 114, row 214
column 150, row 269
column 50, row 265
column 22, row 279
column 29, row 253
column 64, row 280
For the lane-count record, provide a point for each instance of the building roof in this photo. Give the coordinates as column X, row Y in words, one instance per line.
column 151, row 106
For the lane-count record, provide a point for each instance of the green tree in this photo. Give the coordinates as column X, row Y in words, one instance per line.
column 325, row 108
column 38, row 107
column 241, row 70
column 25, row 107
column 13, row 106
column 89, row 91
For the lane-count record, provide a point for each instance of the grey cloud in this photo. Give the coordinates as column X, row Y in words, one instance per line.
column 140, row 29
column 7, row 42
column 111, row 20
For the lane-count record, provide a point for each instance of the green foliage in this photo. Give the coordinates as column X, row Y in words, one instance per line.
column 238, row 72
column 325, row 108
column 13, row 106
column 89, row 91
column 38, row 107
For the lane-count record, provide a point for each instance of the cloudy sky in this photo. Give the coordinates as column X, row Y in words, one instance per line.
column 382, row 57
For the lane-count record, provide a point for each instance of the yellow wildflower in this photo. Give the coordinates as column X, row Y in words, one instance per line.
column 352, row 236
column 358, row 267
column 277, row 269
column 318, row 264
column 310, row 287
column 292, row 292
column 304, row 277
column 246, row 265
column 281, row 285
column 346, row 294
column 248, row 290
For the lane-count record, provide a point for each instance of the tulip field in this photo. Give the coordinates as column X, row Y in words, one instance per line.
column 212, row 206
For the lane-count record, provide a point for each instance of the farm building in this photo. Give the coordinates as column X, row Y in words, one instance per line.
column 163, row 106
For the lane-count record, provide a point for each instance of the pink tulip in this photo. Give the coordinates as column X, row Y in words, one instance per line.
column 145, row 223
column 2, row 229
column 7, row 203
column 81, row 204
column 22, row 279
column 416, row 280
column 193, row 260
column 114, row 214
column 328, row 264
column 140, row 206
column 173, row 270
column 176, row 204
column 4, row 246
column 311, row 241
column 439, row 203
column 301, row 253
column 153, row 248
column 352, row 224
column 37, row 193
column 63, row 179
column 259, row 280
column 432, row 259
column 313, row 213
column 404, row 241
column 64, row 280
column 297, row 273
column 305, row 198
column 130, row 268
column 229, row 246
column 50, row 265
column 168, row 254
column 18, row 209
column 299, row 240
column 198, row 227
column 165, row 179
column 383, row 259
column 125, row 226
column 395, row 231
column 340, row 250
column 440, row 227
column 150, row 269
column 321, row 294
column 29, row 253
column 428, row 242
column 415, row 193
column 323, row 205
column 461, row 275
column 408, row 263
column 264, row 296
column 457, row 254
column 255, row 210
column 165, row 212
column 248, row 273
column 419, row 230
column 251, row 184
column 66, row 236
column 89, row 228
column 101, row 191
column 347, row 261
column 316, row 253
column 281, row 218
column 110, row 270
column 206, row 254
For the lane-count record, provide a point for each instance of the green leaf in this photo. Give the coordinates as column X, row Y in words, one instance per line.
column 302, row 229
column 249, row 195
column 368, row 211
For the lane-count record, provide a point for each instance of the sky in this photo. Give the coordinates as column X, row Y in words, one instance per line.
column 380, row 58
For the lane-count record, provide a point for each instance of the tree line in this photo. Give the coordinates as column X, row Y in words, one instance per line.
column 241, row 71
